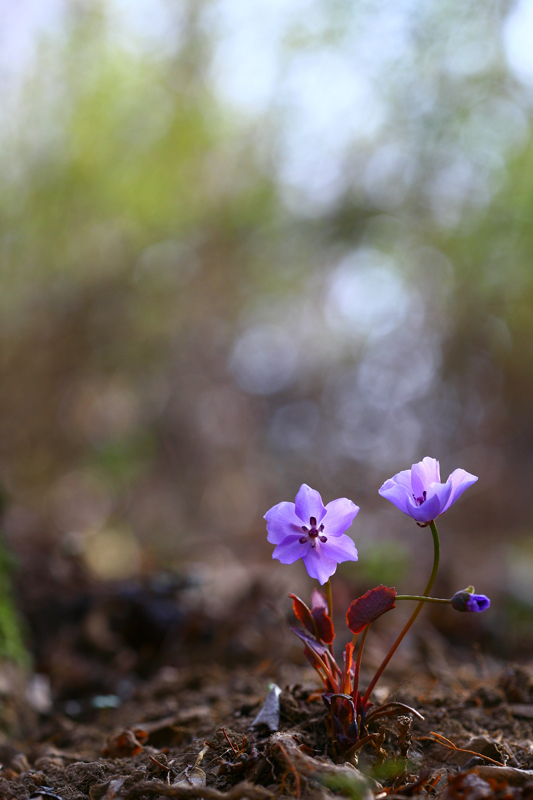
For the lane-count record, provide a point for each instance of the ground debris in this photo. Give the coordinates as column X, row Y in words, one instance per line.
column 268, row 716
column 191, row 777
column 241, row 791
column 488, row 783
column 522, row 710
column 125, row 744
column 107, row 791
column 517, row 684
column 512, row 775
column 311, row 772
column 190, row 737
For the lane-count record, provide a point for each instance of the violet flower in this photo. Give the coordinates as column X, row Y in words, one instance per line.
column 468, row 601
column 309, row 530
column 419, row 493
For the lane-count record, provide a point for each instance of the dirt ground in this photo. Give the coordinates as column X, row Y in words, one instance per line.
column 186, row 733
column 117, row 714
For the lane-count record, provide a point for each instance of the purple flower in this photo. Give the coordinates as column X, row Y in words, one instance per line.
column 309, row 530
column 419, row 493
column 468, row 601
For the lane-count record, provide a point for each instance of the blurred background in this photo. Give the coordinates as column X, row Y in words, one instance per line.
column 245, row 246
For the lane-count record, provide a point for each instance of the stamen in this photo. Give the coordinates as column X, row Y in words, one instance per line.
column 312, row 520
column 420, row 500
column 305, row 529
column 323, row 538
column 302, row 539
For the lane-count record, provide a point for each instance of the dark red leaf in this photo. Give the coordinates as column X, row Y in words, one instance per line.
column 303, row 613
column 311, row 642
column 368, row 607
column 324, row 625
column 316, row 621
column 318, row 600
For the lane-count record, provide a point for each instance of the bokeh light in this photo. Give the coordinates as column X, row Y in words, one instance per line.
column 245, row 246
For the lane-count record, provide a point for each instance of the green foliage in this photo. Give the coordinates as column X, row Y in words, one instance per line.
column 384, row 562
column 12, row 646
column 354, row 788
column 121, row 460
column 137, row 150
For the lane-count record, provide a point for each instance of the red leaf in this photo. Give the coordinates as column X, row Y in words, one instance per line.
column 368, row 607
column 316, row 621
column 303, row 613
column 324, row 625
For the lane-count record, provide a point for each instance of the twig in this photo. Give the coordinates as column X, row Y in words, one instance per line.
column 159, row 764
column 293, row 769
column 440, row 739
column 229, row 741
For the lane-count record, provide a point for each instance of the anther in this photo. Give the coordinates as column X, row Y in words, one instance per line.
column 302, row 539
column 323, row 538
column 312, row 520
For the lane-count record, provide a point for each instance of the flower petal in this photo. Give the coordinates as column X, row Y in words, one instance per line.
column 460, row 480
column 477, row 602
column 468, row 601
column 290, row 550
column 437, row 497
column 317, row 566
column 423, row 474
column 309, row 504
column 341, row 548
column 402, row 478
column 398, row 494
column 282, row 522
column 339, row 516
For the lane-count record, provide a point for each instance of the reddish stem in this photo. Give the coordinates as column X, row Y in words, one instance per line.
column 414, row 615
column 358, row 661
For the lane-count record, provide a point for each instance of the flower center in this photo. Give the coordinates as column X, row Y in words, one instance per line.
column 420, row 500
column 312, row 533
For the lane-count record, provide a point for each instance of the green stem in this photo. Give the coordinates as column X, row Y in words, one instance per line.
column 422, row 598
column 414, row 615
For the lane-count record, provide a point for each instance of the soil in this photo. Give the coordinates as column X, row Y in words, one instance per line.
column 125, row 723
column 187, row 731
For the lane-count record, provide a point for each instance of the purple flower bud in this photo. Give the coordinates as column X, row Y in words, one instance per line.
column 468, row 601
